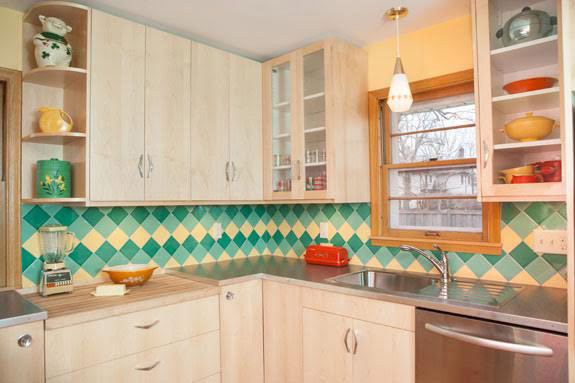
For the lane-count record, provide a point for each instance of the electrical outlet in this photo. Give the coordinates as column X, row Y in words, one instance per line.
column 217, row 231
column 323, row 230
column 550, row 241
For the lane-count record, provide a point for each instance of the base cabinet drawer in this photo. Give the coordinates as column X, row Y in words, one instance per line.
column 22, row 353
column 192, row 360
column 91, row 343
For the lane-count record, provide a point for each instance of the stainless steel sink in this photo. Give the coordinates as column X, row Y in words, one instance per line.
column 464, row 291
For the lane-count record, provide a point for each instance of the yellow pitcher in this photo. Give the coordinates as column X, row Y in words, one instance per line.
column 54, row 120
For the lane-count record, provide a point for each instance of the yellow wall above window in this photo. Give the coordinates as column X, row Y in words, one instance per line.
column 438, row 50
column 10, row 39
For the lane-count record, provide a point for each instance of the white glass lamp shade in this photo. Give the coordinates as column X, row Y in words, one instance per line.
column 399, row 98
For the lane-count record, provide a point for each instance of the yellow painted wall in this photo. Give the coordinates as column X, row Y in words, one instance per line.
column 440, row 49
column 10, row 39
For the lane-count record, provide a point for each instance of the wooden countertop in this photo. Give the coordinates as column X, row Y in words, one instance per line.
column 81, row 306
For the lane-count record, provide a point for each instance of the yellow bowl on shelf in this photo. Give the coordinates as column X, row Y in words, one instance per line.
column 529, row 128
column 130, row 275
column 519, row 171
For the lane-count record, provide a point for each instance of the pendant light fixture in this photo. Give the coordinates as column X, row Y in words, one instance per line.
column 399, row 98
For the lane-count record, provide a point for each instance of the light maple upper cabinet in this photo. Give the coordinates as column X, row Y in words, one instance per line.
column 241, row 326
column 117, row 109
column 315, row 119
column 167, row 108
column 497, row 65
column 226, row 126
column 22, row 353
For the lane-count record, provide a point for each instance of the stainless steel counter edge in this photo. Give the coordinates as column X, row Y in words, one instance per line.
column 422, row 302
column 16, row 310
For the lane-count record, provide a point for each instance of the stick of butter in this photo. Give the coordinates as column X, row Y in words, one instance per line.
column 110, row 290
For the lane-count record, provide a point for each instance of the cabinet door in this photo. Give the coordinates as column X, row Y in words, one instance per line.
column 245, row 129
column 117, row 109
column 241, row 327
column 282, row 333
column 382, row 351
column 20, row 363
column 168, row 144
column 325, row 356
column 210, row 113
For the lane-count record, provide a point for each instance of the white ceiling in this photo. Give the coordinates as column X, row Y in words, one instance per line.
column 261, row 29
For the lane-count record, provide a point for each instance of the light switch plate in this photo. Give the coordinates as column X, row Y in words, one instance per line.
column 217, row 231
column 323, row 230
column 550, row 241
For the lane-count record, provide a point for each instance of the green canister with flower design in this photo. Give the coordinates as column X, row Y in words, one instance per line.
column 53, row 179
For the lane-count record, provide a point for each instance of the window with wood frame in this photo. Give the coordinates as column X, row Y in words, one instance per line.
column 424, row 175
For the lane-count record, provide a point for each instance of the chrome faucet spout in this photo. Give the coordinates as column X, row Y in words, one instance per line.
column 442, row 266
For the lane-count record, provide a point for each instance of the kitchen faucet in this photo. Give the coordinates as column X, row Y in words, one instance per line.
column 442, row 266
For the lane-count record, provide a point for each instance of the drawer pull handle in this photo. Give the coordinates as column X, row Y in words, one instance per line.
column 148, row 326
column 25, row 341
column 149, row 368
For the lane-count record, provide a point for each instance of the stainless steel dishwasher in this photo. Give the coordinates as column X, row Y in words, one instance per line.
column 454, row 349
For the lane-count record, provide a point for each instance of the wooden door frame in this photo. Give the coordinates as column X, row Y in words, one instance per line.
column 12, row 169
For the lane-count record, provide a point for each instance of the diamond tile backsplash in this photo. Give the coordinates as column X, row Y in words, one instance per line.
column 172, row 236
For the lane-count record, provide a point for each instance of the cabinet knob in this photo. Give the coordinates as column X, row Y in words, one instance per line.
column 25, row 341
column 229, row 295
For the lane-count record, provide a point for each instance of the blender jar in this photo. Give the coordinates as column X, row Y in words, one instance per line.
column 55, row 242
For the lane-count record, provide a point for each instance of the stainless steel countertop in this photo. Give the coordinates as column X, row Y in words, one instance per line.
column 542, row 308
column 15, row 310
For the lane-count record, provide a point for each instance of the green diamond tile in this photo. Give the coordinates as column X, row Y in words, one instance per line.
column 364, row 211
column 224, row 241
column 129, row 225
column 522, row 205
column 383, row 256
column 247, row 247
column 313, row 210
column 346, row 210
column 563, row 210
column 355, row 243
column 161, row 213
column 215, row 212
column 33, row 272
column 254, row 219
column 140, row 214
column 80, row 227
column 291, row 218
column 246, row 210
column 105, row 227
column 36, row 217
column 260, row 210
column 394, row 250
column 455, row 263
column 493, row 259
column 129, row 249
column 216, row 251
column 337, row 220
column 508, row 267
column 27, row 259
column 190, row 222
column 66, row 216
column 239, row 239
column 555, row 222
column 181, row 255
column 328, row 210
column 171, row 245
column 207, row 242
column 141, row 258
column 478, row 265
column 540, row 270
column 354, row 220
column 337, row 240
column 80, row 254
column 199, row 253
column 284, row 247
column 305, row 219
column 119, row 259
column 93, row 215
column 151, row 247
column 93, row 265
column 180, row 212
column 199, row 212
column 557, row 261
column 508, row 212
column 405, row 259
column 106, row 251
column 266, row 236
column 523, row 254
column 162, row 257
column 254, row 237
column 231, row 211
column 208, row 221
column 171, row 223
column 190, row 244
column 522, row 225
column 26, row 231
column 539, row 211
column 70, row 264
column 151, row 224
column 117, row 215
column 232, row 249
column 465, row 257
column 284, row 209
column 298, row 210
column 306, row 239
column 291, row 238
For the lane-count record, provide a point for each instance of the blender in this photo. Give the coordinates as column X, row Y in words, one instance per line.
column 55, row 243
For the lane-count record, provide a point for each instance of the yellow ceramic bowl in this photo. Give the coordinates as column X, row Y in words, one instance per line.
column 130, row 275
column 529, row 128
column 520, row 171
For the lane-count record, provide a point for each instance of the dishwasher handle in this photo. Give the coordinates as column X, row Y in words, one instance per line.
column 526, row 349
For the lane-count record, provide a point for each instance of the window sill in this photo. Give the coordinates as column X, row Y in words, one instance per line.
column 489, row 248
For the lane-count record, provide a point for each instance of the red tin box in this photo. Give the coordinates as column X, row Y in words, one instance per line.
column 326, row 255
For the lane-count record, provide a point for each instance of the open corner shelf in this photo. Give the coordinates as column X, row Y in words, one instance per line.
column 532, row 54
column 55, row 77
column 531, row 146
column 54, row 138
column 52, row 201
column 527, row 101
column 59, row 9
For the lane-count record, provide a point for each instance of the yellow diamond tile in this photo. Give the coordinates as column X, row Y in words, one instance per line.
column 140, row 236
column 232, row 230
column 260, row 228
column 493, row 275
column 272, row 227
column 394, row 265
column 416, row 268
column 313, row 229
column 509, row 239
column 161, row 235
column 284, row 228
column 93, row 240
column 346, row 231
column 171, row 263
column 27, row 284
column 208, row 258
column 356, row 261
column 199, row 233
column 331, row 230
column 190, row 261
column 524, row 278
column 240, row 254
column 224, row 257
column 32, row 245
column 246, row 229
column 118, row 238
column 81, row 275
column 373, row 262
column 556, row 281
column 465, row 272
column 363, row 232
column 153, row 264
column 298, row 229
column 529, row 241
column 181, row 233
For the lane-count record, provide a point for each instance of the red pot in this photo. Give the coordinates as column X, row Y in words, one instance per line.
column 550, row 170
column 527, row 179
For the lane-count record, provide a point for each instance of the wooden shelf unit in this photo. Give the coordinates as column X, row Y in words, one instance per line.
column 60, row 88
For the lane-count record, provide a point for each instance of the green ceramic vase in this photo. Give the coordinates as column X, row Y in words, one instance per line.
column 53, row 179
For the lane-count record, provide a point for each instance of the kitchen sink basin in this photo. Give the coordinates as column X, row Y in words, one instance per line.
column 463, row 291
